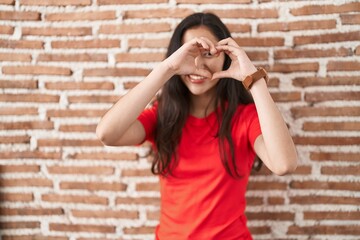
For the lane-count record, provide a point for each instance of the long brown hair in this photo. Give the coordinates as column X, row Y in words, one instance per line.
column 174, row 102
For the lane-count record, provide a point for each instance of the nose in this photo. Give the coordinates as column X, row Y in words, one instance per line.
column 200, row 62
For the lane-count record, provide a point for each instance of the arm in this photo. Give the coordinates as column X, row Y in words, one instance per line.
column 119, row 126
column 274, row 146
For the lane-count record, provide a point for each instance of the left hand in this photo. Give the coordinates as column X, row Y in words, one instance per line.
column 240, row 67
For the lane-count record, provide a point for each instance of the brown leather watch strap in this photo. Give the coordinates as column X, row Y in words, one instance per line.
column 251, row 79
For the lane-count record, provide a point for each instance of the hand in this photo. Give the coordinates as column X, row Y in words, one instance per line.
column 240, row 67
column 182, row 62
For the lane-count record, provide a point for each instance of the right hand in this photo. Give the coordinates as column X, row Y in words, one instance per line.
column 182, row 61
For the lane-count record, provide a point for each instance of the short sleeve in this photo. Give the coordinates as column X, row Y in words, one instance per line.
column 148, row 119
column 254, row 129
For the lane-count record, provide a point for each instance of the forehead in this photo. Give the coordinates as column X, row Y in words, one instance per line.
column 200, row 31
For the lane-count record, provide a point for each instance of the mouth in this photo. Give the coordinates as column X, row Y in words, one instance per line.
column 196, row 78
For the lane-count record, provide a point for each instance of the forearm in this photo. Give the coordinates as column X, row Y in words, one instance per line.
column 279, row 145
column 124, row 112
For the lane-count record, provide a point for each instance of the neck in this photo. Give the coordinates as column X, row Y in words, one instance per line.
column 201, row 106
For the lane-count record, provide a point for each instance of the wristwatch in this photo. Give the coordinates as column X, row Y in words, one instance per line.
column 252, row 78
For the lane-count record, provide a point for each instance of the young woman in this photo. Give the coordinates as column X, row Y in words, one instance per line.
column 206, row 129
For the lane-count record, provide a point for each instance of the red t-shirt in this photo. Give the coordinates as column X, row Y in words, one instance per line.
column 201, row 201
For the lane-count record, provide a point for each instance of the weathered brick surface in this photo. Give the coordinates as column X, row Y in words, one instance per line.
column 64, row 63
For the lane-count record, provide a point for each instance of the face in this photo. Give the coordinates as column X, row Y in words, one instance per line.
column 200, row 85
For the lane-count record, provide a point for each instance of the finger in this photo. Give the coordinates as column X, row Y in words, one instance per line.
column 229, row 50
column 222, row 74
column 228, row 41
column 201, row 43
column 211, row 45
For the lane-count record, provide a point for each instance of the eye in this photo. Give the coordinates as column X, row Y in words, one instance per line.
column 206, row 54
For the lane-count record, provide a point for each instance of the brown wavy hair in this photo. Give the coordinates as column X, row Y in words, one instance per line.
column 174, row 101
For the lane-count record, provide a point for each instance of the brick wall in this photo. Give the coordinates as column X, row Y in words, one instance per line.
column 63, row 63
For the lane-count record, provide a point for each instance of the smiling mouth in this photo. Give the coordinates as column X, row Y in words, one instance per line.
column 196, row 78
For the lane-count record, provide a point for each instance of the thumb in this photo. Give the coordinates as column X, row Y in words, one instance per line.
column 221, row 74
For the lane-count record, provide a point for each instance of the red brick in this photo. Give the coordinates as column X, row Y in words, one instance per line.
column 16, row 197
column 136, row 173
column 81, row 16
column 23, row 44
column 286, row 96
column 327, row 38
column 328, row 185
column 36, row 154
column 276, row 216
column 117, row 2
column 98, row 43
column 27, row 84
column 80, row 57
column 116, row 214
column 153, row 215
column 20, row 16
column 324, row 230
column 340, row 170
column 36, row 70
column 115, row 72
column 18, row 111
column 139, row 57
column 276, row 200
column 350, row 19
column 299, row 112
column 31, row 211
column 258, row 56
column 56, row 3
column 47, row 31
column 9, row 30
column 331, row 141
column 98, row 170
column 254, row 201
column 105, row 156
column 26, row 125
column 245, row 13
column 149, row 186
column 94, row 186
column 83, row 199
column 138, row 200
column 333, row 215
column 26, row 182
column 332, row 96
column 81, row 228
column 14, row 139
column 322, row 199
column 312, row 53
column 19, row 168
column 7, row 2
column 158, row 13
column 94, row 99
column 139, row 230
column 325, row 81
column 335, row 156
column 78, row 128
column 294, row 67
column 238, row 28
column 265, row 185
column 295, row 26
column 45, row 98
column 343, row 66
column 134, row 28
column 357, row 51
column 213, row 1
column 19, row 225
column 149, row 43
column 32, row 237
column 80, row 85
column 325, row 9
column 260, row 230
column 68, row 143
column 331, row 126
column 260, row 42
column 74, row 113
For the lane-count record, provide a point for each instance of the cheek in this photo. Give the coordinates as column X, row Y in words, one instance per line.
column 216, row 64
